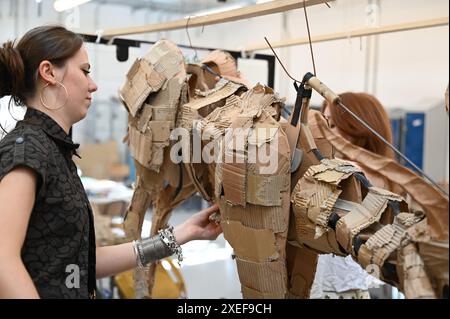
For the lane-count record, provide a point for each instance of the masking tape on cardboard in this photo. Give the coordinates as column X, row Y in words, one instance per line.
column 266, row 190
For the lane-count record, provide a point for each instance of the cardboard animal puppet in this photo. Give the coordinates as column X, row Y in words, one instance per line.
column 283, row 197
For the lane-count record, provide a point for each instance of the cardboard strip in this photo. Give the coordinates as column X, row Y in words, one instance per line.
column 169, row 64
column 160, row 130
column 134, row 216
column 234, row 173
column 140, row 146
column 305, row 234
column 142, row 79
column 249, row 293
column 415, row 281
column 316, row 198
column 430, row 199
column 379, row 246
column 186, row 118
column 262, row 133
column 161, row 113
column 360, row 218
column 264, row 277
column 144, row 118
column 302, row 263
column 435, row 257
column 257, row 245
column 266, row 190
column 326, row 209
column 258, row 217
column 157, row 156
column 214, row 96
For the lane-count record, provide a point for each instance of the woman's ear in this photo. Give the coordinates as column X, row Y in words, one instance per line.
column 46, row 72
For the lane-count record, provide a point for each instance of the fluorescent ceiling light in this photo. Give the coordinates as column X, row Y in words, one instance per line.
column 216, row 10
column 63, row 5
column 227, row 8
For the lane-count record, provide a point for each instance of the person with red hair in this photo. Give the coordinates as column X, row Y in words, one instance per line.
column 339, row 277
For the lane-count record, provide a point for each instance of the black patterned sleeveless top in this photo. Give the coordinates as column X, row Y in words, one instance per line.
column 59, row 247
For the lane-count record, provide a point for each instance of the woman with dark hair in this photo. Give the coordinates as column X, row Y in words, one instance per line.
column 339, row 277
column 46, row 223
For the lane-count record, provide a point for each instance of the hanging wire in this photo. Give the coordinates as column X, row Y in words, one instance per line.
column 310, row 46
column 357, row 117
column 392, row 147
column 281, row 63
column 189, row 38
column 309, row 38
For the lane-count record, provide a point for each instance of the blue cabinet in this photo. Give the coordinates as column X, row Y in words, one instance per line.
column 414, row 138
column 408, row 136
column 423, row 138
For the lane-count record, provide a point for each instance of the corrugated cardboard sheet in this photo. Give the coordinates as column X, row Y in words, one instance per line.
column 301, row 265
column 266, row 190
column 379, row 247
column 249, row 293
column 254, row 216
column 305, row 234
column 267, row 277
column 413, row 276
column 256, row 245
column 140, row 145
column 360, row 217
column 434, row 203
column 142, row 79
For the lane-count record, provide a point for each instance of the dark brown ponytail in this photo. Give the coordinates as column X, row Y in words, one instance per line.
column 12, row 70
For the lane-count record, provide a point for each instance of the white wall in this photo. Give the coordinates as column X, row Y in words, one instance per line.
column 412, row 66
column 406, row 70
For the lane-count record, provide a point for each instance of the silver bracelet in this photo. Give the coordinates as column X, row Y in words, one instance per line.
column 150, row 250
column 157, row 247
column 138, row 253
column 169, row 239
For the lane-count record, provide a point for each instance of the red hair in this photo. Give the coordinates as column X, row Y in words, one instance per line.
column 369, row 109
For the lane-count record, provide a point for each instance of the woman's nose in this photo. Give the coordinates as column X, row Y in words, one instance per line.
column 92, row 87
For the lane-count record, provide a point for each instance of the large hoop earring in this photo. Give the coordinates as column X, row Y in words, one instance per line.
column 54, row 108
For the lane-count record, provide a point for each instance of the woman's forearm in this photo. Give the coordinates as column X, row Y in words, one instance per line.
column 112, row 260
column 15, row 282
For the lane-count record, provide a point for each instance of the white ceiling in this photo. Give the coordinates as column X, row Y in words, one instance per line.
column 182, row 6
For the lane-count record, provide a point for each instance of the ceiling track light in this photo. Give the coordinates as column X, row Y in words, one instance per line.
column 63, row 5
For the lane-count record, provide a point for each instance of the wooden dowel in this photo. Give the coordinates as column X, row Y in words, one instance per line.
column 354, row 34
